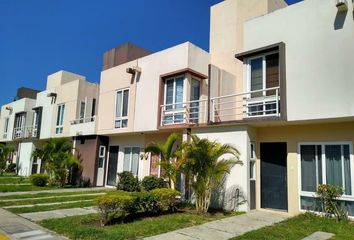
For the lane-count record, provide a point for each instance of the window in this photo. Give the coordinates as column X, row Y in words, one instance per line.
column 60, row 119
column 93, row 110
column 82, row 111
column 252, row 166
column 194, row 106
column 326, row 164
column 6, row 127
column 263, row 78
column 102, row 152
column 131, row 159
column 121, row 120
column 174, row 97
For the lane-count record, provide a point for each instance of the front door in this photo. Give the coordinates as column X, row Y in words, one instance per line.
column 112, row 166
column 274, row 191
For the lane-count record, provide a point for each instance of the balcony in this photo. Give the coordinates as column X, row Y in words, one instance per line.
column 83, row 126
column 25, row 132
column 235, row 107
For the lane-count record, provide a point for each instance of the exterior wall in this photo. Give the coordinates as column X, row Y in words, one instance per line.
column 238, row 178
column 61, row 77
column 144, row 91
column 292, row 135
column 319, row 49
column 47, row 114
column 25, row 158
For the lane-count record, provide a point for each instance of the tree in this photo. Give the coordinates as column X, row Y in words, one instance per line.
column 202, row 161
column 5, row 152
column 57, row 159
column 167, row 152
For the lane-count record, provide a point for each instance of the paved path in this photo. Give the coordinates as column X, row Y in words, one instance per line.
column 319, row 236
column 225, row 228
column 16, row 227
column 46, row 204
column 55, row 191
column 60, row 213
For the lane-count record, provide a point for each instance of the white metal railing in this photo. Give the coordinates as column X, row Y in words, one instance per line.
column 191, row 112
column 253, row 104
column 259, row 103
column 83, row 120
column 25, row 132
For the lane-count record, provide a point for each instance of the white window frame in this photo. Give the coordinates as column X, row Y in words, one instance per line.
column 60, row 128
column 82, row 118
column 102, row 151
column 323, row 160
column 131, row 158
column 173, row 111
column 6, row 125
column 253, row 160
column 121, row 118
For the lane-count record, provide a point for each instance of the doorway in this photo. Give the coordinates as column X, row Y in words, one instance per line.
column 112, row 166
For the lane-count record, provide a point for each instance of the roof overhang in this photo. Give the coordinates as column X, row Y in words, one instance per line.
column 259, row 51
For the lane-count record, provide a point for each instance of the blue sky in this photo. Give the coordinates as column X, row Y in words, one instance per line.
column 40, row 37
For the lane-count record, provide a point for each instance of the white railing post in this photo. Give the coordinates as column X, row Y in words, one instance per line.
column 277, row 101
column 212, row 110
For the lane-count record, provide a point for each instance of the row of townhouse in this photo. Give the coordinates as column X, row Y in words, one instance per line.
column 277, row 83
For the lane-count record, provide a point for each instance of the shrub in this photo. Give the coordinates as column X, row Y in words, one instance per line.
column 113, row 206
column 11, row 168
column 146, row 202
column 127, row 182
column 167, row 199
column 150, row 182
column 328, row 196
column 39, row 179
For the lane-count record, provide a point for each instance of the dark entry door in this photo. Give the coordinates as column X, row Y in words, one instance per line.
column 274, row 191
column 112, row 165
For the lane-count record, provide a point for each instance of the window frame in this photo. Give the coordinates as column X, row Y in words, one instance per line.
column 121, row 118
column 59, row 126
column 323, row 161
column 131, row 158
column 252, row 160
column 6, row 125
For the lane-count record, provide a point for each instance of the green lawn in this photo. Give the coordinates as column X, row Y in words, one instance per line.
column 51, row 207
column 8, row 180
column 22, row 188
column 301, row 226
column 87, row 227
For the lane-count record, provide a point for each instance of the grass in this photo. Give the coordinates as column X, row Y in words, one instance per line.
column 14, row 180
column 51, row 207
column 21, row 188
column 300, row 227
column 87, row 227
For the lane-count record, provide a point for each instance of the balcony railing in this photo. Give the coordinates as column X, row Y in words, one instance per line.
column 25, row 132
column 260, row 103
column 192, row 112
column 83, row 126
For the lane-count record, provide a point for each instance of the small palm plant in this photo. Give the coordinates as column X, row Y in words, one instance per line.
column 5, row 152
column 167, row 152
column 202, row 162
column 57, row 158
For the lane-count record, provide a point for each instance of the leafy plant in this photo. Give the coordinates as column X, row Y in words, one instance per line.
column 145, row 202
column 113, row 206
column 328, row 196
column 167, row 199
column 5, row 152
column 11, row 168
column 167, row 154
column 57, row 158
column 150, row 182
column 202, row 161
column 127, row 182
column 39, row 180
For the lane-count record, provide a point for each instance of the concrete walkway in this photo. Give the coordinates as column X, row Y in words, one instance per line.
column 60, row 213
column 55, row 191
column 15, row 227
column 225, row 228
column 45, row 204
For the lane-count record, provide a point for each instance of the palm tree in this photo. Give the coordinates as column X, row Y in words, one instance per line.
column 5, row 152
column 202, row 162
column 167, row 152
column 57, row 158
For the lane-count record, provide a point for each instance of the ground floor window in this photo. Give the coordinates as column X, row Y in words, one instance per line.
column 326, row 163
column 131, row 159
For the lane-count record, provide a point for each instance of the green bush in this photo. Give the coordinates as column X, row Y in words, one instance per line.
column 39, row 180
column 150, row 182
column 127, row 182
column 11, row 168
column 167, row 199
column 114, row 206
column 146, row 202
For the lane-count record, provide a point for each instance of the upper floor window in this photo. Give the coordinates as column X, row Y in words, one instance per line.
column 6, row 127
column 174, row 97
column 60, row 119
column 122, row 101
column 82, row 111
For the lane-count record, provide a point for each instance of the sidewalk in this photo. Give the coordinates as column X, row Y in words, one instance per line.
column 15, row 227
column 55, row 191
column 225, row 228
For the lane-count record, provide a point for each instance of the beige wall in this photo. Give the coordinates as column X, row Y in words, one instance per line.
column 293, row 135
